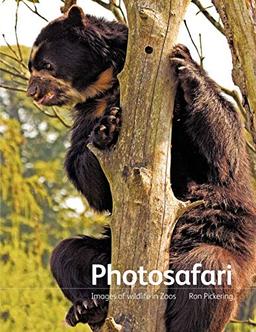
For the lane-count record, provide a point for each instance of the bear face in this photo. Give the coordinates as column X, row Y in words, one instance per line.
column 74, row 59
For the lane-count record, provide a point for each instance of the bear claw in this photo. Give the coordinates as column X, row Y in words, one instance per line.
column 105, row 133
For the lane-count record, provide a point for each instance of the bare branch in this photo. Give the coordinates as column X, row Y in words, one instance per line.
column 194, row 44
column 201, row 50
column 19, row 84
column 235, row 95
column 67, row 5
column 203, row 10
column 35, row 11
column 5, row 63
column 118, row 11
column 55, row 115
column 3, row 86
column 249, row 321
column 60, row 118
column 23, row 77
column 15, row 30
column 14, row 59
column 11, row 48
column 115, row 7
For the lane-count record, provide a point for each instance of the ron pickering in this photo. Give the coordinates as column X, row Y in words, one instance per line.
column 194, row 277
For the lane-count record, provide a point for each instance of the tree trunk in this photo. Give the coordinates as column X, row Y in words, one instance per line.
column 239, row 19
column 138, row 169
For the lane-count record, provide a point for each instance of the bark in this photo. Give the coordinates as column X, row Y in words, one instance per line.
column 239, row 19
column 138, row 169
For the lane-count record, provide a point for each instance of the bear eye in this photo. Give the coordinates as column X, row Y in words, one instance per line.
column 48, row 66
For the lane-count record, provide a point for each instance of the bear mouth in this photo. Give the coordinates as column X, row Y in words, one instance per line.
column 46, row 99
column 49, row 99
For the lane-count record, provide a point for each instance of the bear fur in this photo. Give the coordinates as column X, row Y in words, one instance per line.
column 76, row 58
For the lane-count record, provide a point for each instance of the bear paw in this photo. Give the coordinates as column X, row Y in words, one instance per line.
column 190, row 75
column 87, row 311
column 105, row 133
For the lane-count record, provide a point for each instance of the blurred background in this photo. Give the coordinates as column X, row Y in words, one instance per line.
column 39, row 207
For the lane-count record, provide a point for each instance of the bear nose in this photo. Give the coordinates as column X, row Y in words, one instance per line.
column 32, row 90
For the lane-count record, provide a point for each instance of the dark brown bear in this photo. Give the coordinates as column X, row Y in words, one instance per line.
column 76, row 58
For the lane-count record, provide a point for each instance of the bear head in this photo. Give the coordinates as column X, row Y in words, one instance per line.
column 75, row 57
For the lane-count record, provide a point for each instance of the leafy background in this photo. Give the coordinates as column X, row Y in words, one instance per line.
column 35, row 210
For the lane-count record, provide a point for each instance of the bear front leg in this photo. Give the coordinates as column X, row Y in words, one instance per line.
column 211, row 121
column 105, row 133
column 86, row 174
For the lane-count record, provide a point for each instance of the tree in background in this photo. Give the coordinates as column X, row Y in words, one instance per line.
column 35, row 212
column 34, row 195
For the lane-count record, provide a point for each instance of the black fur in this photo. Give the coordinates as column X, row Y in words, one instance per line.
column 209, row 162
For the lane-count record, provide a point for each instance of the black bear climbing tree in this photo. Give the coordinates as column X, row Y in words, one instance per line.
column 145, row 209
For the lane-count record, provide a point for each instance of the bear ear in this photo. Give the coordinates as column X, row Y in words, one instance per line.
column 76, row 16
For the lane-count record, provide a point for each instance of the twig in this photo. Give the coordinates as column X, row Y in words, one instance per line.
column 10, row 48
column 14, row 74
column 35, row 11
column 12, row 88
column 60, row 118
column 118, row 11
column 201, row 51
column 203, row 10
column 43, row 111
column 251, row 147
column 15, row 29
column 19, row 83
column 5, row 63
column 67, row 5
column 55, row 115
column 115, row 7
column 194, row 44
column 15, row 59
column 235, row 95
column 249, row 321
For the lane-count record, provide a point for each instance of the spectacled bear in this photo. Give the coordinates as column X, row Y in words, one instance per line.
column 76, row 59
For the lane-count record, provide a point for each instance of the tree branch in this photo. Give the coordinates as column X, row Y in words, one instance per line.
column 203, row 10
column 15, row 56
column 14, row 59
column 7, row 87
column 23, row 77
column 200, row 53
column 67, row 5
column 249, row 322
column 55, row 115
column 115, row 7
column 60, row 118
column 235, row 95
column 35, row 11
column 239, row 19
column 5, row 63
column 15, row 30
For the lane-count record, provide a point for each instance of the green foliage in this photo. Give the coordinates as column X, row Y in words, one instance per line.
column 35, row 211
